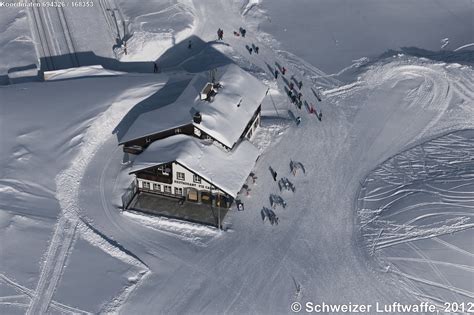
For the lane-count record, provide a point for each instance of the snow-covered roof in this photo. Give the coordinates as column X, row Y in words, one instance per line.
column 226, row 170
column 224, row 119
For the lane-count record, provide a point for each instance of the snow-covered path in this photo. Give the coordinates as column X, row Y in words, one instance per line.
column 316, row 253
column 317, row 245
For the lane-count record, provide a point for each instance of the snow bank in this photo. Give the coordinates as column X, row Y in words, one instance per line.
column 86, row 71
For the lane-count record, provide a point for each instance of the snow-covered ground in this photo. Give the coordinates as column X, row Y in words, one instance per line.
column 383, row 213
column 334, row 34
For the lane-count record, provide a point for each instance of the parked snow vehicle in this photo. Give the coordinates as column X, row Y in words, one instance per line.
column 284, row 183
column 270, row 214
column 295, row 166
column 276, row 200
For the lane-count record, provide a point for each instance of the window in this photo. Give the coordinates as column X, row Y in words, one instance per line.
column 146, row 185
column 256, row 121
column 180, row 176
column 197, row 132
column 157, row 187
column 178, row 191
column 147, row 140
column 167, row 189
column 196, row 179
column 177, row 130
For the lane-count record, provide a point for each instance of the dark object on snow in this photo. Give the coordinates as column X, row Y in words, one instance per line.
column 300, row 84
column 256, row 49
column 249, row 49
column 236, row 34
column 197, row 118
column 293, row 98
column 276, row 200
column 316, row 94
column 276, row 74
column 270, row 214
column 190, row 44
column 283, row 70
column 274, row 174
column 320, row 116
column 240, row 205
column 292, row 86
column 298, row 120
column 295, row 166
column 155, row 67
column 285, row 183
column 220, row 34
column 242, row 31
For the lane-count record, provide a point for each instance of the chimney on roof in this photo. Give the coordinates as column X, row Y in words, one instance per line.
column 197, row 118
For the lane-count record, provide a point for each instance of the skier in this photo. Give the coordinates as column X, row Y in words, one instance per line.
column 190, row 44
column 293, row 98
column 283, row 70
column 256, row 49
column 300, row 84
column 242, row 31
column 276, row 74
column 292, row 86
column 299, row 96
column 220, row 34
column 298, row 120
column 155, row 67
column 290, row 94
column 320, row 116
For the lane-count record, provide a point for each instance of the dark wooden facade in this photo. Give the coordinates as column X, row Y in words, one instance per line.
column 143, row 142
column 162, row 173
column 136, row 146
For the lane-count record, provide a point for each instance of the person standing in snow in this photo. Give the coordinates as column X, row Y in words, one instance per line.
column 256, row 49
column 124, row 47
column 155, row 67
column 292, row 86
column 300, row 84
column 320, row 116
column 283, row 70
column 276, row 74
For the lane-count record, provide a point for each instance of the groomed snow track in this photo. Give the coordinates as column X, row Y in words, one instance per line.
column 52, row 36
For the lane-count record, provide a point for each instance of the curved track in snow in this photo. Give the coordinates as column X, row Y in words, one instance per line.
column 415, row 207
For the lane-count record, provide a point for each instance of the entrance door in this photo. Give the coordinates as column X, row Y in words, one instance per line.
column 192, row 195
column 206, row 197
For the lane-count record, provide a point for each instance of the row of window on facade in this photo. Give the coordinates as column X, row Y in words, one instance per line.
column 253, row 128
column 182, row 176
column 166, row 188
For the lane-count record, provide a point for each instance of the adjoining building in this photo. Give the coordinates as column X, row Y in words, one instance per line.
column 197, row 148
column 222, row 106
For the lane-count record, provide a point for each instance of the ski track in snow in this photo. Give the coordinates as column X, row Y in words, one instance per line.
column 394, row 211
column 70, row 220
